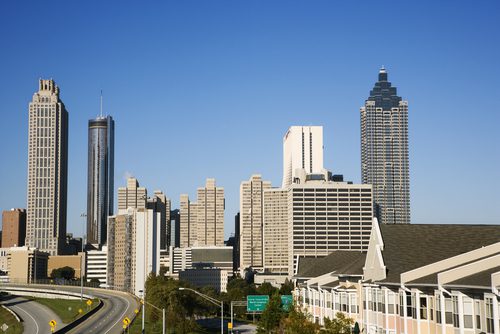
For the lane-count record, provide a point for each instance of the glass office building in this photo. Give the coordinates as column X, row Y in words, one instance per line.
column 100, row 178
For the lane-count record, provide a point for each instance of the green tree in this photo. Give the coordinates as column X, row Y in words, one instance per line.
column 64, row 272
column 272, row 315
column 287, row 288
column 342, row 324
column 298, row 322
column 266, row 288
column 180, row 306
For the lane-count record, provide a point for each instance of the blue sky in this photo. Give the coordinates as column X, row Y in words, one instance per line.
column 208, row 88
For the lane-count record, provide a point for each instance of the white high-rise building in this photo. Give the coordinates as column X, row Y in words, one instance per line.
column 302, row 149
column 47, row 170
column 325, row 216
column 147, row 233
column 252, row 221
column 133, row 248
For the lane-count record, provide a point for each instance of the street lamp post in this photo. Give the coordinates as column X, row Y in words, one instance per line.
column 83, row 215
column 213, row 301
column 159, row 309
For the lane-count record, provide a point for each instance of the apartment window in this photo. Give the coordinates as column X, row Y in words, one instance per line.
column 353, row 301
column 454, row 301
column 477, row 311
column 468, row 312
column 408, row 296
column 489, row 314
column 423, row 308
column 343, row 301
column 448, row 310
column 391, row 303
column 431, row 307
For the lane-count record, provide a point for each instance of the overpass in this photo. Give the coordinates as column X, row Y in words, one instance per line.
column 107, row 320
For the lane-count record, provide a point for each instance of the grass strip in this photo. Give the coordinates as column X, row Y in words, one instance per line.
column 67, row 309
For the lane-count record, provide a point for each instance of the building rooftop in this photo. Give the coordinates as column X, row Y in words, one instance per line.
column 410, row 246
column 384, row 95
column 340, row 262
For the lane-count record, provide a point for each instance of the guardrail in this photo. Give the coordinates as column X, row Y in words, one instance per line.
column 42, row 293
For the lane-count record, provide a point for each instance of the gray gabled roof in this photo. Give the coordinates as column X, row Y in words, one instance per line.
column 410, row 246
column 340, row 262
column 482, row 278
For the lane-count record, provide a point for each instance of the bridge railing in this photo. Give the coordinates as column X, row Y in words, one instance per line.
column 50, row 281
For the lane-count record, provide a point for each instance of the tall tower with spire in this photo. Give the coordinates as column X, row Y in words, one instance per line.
column 47, row 170
column 100, row 177
column 384, row 151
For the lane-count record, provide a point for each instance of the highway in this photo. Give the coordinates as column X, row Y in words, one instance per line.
column 107, row 320
column 35, row 316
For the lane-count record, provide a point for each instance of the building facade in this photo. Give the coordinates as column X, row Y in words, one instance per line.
column 188, row 228
column 210, row 215
column 324, row 216
column 384, row 151
column 26, row 265
column 47, row 170
column 131, row 196
column 97, row 265
column 202, row 277
column 121, row 252
column 302, row 149
column 100, row 178
column 252, row 221
column 13, row 228
column 418, row 279
column 276, row 237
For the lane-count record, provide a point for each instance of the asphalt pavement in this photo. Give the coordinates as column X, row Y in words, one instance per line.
column 35, row 316
column 239, row 327
column 108, row 320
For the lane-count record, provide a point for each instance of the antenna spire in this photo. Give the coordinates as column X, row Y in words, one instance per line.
column 101, row 103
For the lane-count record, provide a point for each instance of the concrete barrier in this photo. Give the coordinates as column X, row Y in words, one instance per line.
column 43, row 293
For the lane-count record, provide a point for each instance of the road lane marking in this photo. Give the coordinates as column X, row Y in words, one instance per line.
column 36, row 324
column 121, row 316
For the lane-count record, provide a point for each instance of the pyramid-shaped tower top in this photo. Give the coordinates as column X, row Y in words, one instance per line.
column 384, row 95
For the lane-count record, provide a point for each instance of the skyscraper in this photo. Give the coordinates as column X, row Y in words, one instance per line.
column 384, row 151
column 202, row 222
column 131, row 196
column 252, row 221
column 47, row 170
column 302, row 149
column 188, row 227
column 100, row 176
column 210, row 215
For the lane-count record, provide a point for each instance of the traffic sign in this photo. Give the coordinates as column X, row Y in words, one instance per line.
column 286, row 302
column 4, row 327
column 229, row 325
column 89, row 302
column 52, row 323
column 126, row 321
column 136, row 311
column 257, row 303
column 80, row 310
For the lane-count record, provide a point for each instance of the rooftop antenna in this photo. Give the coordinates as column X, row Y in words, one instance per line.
column 101, row 103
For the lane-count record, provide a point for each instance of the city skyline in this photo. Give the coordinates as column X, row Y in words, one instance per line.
column 313, row 85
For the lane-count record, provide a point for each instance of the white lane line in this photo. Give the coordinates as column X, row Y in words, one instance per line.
column 121, row 316
column 36, row 324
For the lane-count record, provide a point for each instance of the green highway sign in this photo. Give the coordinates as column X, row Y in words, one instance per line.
column 257, row 303
column 286, row 302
